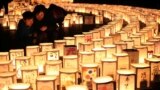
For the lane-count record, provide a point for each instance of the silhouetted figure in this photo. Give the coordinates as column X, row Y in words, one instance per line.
column 24, row 34
column 4, row 3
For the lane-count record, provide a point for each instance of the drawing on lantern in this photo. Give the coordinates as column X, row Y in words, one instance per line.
column 126, row 83
column 143, row 82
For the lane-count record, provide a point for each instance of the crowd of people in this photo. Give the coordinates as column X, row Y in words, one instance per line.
column 41, row 25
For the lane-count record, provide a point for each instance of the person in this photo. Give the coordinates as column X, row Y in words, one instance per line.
column 40, row 24
column 24, row 33
column 4, row 3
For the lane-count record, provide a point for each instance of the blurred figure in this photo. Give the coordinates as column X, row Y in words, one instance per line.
column 56, row 17
column 24, row 34
column 40, row 24
column 4, row 3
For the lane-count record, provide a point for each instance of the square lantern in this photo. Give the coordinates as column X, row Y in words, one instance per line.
column 133, row 55
column 88, row 37
column 99, row 19
column 142, row 53
column 103, row 83
column 89, row 72
column 97, row 43
column 85, row 46
column 70, row 50
column 86, row 57
column 116, row 37
column 150, row 48
column 5, row 66
column 110, row 49
column 99, row 53
column 19, row 86
column 78, row 39
column 107, row 30
column 108, row 40
column 53, row 67
column 96, row 34
column 142, row 36
column 112, row 65
column 70, row 40
column 156, row 45
column 145, row 35
column 12, row 25
column 52, row 54
column 78, row 87
column 6, row 79
column 68, row 77
column 123, row 34
column 70, row 61
column 136, row 40
column 126, row 80
column 45, row 46
column 59, row 44
column 142, row 71
column 130, row 43
column 154, row 67
column 21, row 62
column 40, row 60
column 13, row 53
column 46, row 83
column 4, row 56
column 122, row 60
column 5, row 23
column 120, row 46
column 29, row 75
column 102, row 32
column 66, row 23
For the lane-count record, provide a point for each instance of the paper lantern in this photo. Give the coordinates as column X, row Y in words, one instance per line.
column 53, row 67
column 145, row 35
column 46, row 83
column 99, row 53
column 98, row 19
column 6, row 79
column 70, row 61
column 87, row 37
column 4, row 56
column 70, row 40
column 156, row 45
column 85, row 47
column 40, row 60
column 136, row 39
column 45, row 46
column 124, row 35
column 102, row 32
column 154, row 67
column 5, row 23
column 96, row 34
column 122, row 60
column 142, row 53
column 52, row 54
column 103, row 83
column 150, row 48
column 142, row 75
column 5, row 66
column 116, row 37
column 59, row 44
column 133, row 55
column 89, row 72
column 79, row 39
column 66, row 23
column 97, row 43
column 108, row 40
column 29, row 75
column 86, row 57
column 68, row 77
column 19, row 86
column 110, row 50
column 13, row 25
column 13, row 53
column 130, row 43
column 111, row 64
column 120, row 46
column 126, row 80
column 78, row 87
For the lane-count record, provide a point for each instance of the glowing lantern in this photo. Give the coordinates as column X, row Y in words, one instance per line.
column 120, row 46
column 96, row 34
column 150, row 48
column 66, row 23
column 87, row 37
column 110, row 50
column 116, row 38
column 156, row 45
column 13, row 25
column 45, row 46
column 68, row 77
column 4, row 56
column 79, row 39
column 6, row 79
column 136, row 39
column 59, row 44
column 46, row 82
column 5, row 66
column 99, row 53
column 112, row 65
column 97, row 43
column 122, row 60
column 124, row 35
column 130, row 43
column 143, row 75
column 142, row 53
column 85, row 46
column 19, row 86
column 126, row 80
column 70, row 61
column 108, row 40
column 52, row 54
column 78, row 87
column 87, row 57
column 70, row 40
column 29, row 75
column 102, row 32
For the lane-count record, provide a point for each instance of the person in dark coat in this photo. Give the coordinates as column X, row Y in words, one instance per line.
column 24, row 33
column 4, row 3
column 40, row 24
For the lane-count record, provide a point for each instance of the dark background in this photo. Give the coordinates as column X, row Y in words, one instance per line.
column 140, row 3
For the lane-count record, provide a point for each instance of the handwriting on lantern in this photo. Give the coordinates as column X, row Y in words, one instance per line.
column 29, row 76
column 53, row 55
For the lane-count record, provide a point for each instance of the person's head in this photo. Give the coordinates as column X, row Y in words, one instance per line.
column 39, row 12
column 28, row 18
